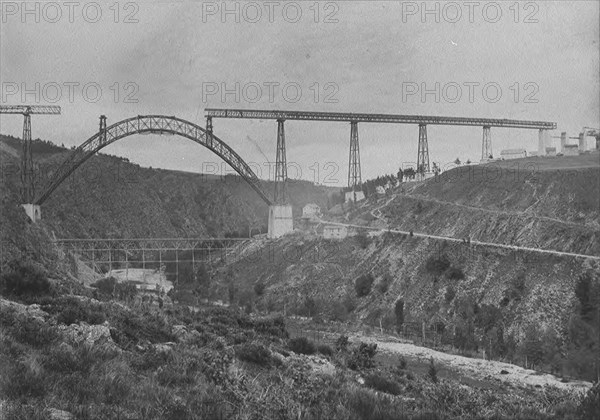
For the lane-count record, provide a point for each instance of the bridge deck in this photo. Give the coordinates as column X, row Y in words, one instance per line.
column 375, row 118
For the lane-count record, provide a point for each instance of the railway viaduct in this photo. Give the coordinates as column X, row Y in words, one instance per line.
column 280, row 212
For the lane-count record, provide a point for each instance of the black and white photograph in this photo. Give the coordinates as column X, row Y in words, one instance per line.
column 303, row 210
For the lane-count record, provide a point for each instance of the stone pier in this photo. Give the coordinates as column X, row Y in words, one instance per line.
column 33, row 211
column 280, row 220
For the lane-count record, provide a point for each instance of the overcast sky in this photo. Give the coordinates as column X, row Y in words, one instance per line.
column 175, row 58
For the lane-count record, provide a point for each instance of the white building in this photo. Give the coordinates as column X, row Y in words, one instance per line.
column 335, row 232
column 380, row 190
column 359, row 196
column 513, row 154
column 311, row 211
column 571, row 150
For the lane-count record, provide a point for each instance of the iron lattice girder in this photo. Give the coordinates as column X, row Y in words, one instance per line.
column 280, row 165
column 486, row 143
column 148, row 244
column 151, row 124
column 375, row 118
column 30, row 109
column 423, row 150
column 354, row 175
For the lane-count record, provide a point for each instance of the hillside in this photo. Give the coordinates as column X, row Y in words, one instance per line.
column 518, row 306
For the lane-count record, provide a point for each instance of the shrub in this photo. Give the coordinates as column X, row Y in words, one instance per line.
column 254, row 353
column 274, row 326
column 432, row 371
column 301, row 345
column 106, row 285
column 363, row 285
column 384, row 284
column 24, row 279
column 363, row 239
column 27, row 330
column 259, row 288
column 341, row 344
column 590, row 404
column 72, row 310
column 362, row 356
column 402, row 363
column 399, row 313
column 455, row 273
column 349, row 303
column 325, row 350
column 20, row 381
column 437, row 266
column 379, row 383
column 450, row 293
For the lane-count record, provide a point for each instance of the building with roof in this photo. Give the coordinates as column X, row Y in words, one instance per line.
column 507, row 154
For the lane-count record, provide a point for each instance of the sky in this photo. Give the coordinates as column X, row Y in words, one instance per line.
column 520, row 60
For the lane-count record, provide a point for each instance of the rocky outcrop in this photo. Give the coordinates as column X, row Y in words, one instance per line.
column 90, row 335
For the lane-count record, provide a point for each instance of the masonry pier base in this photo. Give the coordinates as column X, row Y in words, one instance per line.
column 33, row 211
column 280, row 220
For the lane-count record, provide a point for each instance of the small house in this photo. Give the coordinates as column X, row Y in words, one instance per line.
column 311, row 211
column 335, row 232
column 513, row 154
column 571, row 150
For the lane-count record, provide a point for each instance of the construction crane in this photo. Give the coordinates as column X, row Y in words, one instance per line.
column 26, row 158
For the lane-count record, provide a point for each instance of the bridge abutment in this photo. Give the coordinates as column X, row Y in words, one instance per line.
column 280, row 220
column 34, row 211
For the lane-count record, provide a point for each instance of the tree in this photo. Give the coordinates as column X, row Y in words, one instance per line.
column 259, row 288
column 399, row 312
column 363, row 284
column 457, row 161
column 400, row 175
column 202, row 283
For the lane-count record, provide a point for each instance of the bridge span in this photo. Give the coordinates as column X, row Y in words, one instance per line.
column 354, row 172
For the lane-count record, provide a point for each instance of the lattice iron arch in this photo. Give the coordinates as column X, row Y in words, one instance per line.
column 150, row 124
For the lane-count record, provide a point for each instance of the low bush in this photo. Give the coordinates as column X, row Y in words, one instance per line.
column 450, row 294
column 24, row 279
column 432, row 371
column 21, row 381
column 259, row 288
column 402, row 363
column 382, row 384
column 341, row 344
column 384, row 284
column 274, row 326
column 363, row 240
column 362, row 356
column 72, row 311
column 302, row 345
column 454, row 273
column 106, row 285
column 363, row 285
column 590, row 404
column 27, row 330
column 437, row 265
column 254, row 353
column 325, row 350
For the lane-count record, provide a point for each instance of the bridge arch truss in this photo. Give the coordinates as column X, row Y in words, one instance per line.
column 149, row 124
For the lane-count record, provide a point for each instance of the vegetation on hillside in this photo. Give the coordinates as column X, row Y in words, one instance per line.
column 76, row 356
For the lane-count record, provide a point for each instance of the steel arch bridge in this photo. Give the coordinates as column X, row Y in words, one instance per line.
column 149, row 124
